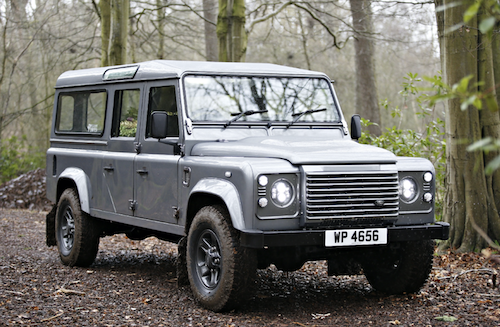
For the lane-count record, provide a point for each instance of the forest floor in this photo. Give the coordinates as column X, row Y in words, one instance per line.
column 133, row 283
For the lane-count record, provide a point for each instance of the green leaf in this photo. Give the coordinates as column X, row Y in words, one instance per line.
column 448, row 6
column 463, row 85
column 487, row 25
column 446, row 318
column 491, row 103
column 493, row 165
column 471, row 12
column 479, row 144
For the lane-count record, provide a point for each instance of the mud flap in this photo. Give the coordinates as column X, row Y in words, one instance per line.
column 182, row 274
column 50, row 227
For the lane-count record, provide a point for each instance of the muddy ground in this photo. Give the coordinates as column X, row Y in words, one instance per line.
column 133, row 283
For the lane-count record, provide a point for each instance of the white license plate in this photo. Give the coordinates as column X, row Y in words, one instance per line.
column 353, row 237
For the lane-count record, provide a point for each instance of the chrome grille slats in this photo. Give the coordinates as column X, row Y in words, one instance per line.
column 351, row 194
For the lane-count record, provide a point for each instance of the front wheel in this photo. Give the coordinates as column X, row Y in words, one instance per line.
column 400, row 269
column 77, row 234
column 220, row 271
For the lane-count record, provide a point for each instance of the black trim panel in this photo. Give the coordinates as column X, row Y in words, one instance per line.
column 261, row 239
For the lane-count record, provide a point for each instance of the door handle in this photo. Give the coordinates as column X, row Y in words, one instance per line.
column 109, row 168
column 142, row 172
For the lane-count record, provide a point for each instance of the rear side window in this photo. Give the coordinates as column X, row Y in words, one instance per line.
column 81, row 112
column 126, row 108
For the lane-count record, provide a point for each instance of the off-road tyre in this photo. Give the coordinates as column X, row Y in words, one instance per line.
column 220, row 271
column 77, row 234
column 401, row 269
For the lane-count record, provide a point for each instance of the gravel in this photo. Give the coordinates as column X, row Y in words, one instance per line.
column 133, row 283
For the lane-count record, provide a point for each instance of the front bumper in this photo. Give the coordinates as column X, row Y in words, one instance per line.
column 261, row 239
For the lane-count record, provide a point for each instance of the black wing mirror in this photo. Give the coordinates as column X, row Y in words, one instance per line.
column 355, row 127
column 159, row 123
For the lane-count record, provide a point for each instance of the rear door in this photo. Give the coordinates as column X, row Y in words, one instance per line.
column 118, row 162
column 155, row 168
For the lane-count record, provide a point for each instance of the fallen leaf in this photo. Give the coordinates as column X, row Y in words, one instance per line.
column 320, row 315
column 446, row 318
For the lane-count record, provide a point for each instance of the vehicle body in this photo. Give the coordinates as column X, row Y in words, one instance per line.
column 244, row 165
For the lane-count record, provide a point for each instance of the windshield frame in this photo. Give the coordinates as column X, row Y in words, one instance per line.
column 269, row 123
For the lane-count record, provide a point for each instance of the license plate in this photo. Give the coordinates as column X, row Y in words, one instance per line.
column 353, row 237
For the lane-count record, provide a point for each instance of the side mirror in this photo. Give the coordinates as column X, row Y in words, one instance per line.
column 355, row 127
column 159, row 123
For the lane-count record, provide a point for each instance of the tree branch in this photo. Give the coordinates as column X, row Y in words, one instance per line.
column 268, row 16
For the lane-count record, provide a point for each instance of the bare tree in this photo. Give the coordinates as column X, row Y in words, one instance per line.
column 364, row 56
column 472, row 198
column 210, row 15
column 231, row 30
column 114, row 32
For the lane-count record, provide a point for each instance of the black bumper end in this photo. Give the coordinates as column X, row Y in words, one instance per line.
column 262, row 239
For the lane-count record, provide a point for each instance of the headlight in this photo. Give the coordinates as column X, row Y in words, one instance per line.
column 408, row 190
column 282, row 193
column 428, row 177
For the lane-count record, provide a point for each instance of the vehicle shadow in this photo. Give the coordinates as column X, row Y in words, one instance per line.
column 308, row 289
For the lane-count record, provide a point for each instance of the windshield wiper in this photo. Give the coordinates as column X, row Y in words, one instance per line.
column 238, row 115
column 298, row 115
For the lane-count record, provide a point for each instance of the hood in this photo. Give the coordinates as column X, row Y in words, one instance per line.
column 298, row 151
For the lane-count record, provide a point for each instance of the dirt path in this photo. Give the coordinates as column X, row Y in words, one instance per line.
column 133, row 284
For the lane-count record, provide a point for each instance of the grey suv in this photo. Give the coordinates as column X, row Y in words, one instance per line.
column 243, row 165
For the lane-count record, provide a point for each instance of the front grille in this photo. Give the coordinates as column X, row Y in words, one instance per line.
column 344, row 195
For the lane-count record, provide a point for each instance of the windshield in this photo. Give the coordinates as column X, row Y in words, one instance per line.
column 224, row 98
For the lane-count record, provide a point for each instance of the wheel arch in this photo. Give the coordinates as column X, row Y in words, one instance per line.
column 75, row 178
column 213, row 191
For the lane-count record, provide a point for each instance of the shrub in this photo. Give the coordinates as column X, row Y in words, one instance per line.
column 16, row 158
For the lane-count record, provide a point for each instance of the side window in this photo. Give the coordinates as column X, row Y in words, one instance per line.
column 163, row 99
column 126, row 108
column 81, row 112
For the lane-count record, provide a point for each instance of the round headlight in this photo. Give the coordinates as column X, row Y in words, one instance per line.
column 263, row 180
column 408, row 190
column 282, row 193
column 428, row 176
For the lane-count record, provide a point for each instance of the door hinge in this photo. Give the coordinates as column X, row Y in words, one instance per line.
column 132, row 205
column 138, row 147
column 176, row 212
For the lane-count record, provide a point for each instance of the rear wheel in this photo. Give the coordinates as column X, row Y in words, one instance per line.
column 77, row 234
column 220, row 271
column 401, row 269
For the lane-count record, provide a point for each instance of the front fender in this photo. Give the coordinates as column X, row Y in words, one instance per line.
column 82, row 182
column 228, row 193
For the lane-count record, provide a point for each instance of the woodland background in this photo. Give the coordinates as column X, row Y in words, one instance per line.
column 377, row 51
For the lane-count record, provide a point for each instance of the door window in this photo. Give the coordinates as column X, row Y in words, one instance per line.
column 126, row 108
column 163, row 99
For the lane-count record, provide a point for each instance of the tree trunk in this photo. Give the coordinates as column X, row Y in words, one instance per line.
column 160, row 13
column 105, row 9
column 118, row 49
column 114, row 31
column 231, row 30
column 366, row 88
column 211, row 42
column 470, row 200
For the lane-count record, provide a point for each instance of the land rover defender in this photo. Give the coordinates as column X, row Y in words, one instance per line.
column 243, row 165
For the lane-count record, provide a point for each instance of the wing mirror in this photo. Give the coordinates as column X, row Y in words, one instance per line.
column 159, row 123
column 355, row 127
